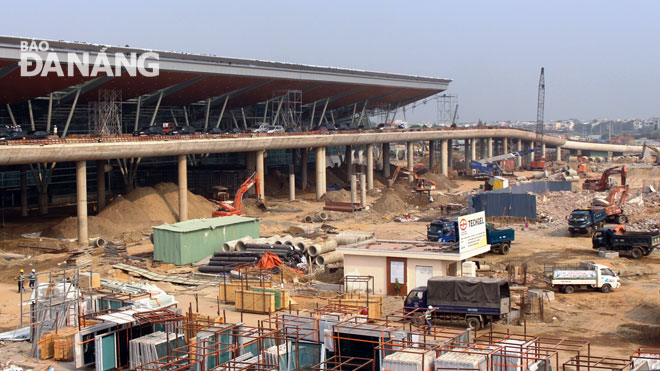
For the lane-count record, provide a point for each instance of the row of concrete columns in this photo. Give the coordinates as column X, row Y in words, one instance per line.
column 255, row 160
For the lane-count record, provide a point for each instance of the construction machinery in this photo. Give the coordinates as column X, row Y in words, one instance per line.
column 615, row 200
column 650, row 151
column 490, row 166
column 422, row 185
column 603, row 183
column 538, row 163
column 235, row 208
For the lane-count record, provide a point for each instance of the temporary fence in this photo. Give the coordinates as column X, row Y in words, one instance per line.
column 504, row 204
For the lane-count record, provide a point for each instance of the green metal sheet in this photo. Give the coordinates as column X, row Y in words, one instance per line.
column 193, row 240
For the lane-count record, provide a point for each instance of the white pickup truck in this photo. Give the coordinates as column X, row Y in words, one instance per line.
column 586, row 275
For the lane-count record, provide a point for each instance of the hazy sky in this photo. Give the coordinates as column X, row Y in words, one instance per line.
column 601, row 57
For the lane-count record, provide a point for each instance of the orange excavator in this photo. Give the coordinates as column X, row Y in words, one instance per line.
column 422, row 185
column 226, row 209
column 615, row 199
column 603, row 183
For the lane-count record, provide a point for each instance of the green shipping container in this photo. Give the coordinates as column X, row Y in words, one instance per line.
column 193, row 240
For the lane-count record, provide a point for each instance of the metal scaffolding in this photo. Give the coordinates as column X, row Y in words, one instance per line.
column 104, row 115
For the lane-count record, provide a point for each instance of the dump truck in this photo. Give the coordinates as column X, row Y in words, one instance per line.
column 470, row 300
column 586, row 275
column 635, row 244
column 586, row 221
column 446, row 230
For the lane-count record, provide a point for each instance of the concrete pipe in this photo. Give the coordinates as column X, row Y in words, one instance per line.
column 99, row 242
column 231, row 245
column 308, row 219
column 331, row 257
column 322, row 216
column 300, row 244
column 316, row 249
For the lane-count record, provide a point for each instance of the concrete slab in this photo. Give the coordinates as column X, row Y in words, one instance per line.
column 608, row 254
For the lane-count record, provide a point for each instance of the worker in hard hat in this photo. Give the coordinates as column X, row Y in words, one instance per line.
column 20, row 278
column 33, row 278
column 428, row 316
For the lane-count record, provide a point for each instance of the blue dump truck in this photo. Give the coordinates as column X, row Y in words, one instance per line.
column 472, row 300
column 586, row 221
column 446, row 230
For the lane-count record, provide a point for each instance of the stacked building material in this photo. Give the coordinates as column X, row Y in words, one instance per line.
column 79, row 258
column 226, row 261
column 114, row 253
column 410, row 360
column 461, row 361
column 151, row 347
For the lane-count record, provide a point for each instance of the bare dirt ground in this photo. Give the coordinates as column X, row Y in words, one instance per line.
column 615, row 323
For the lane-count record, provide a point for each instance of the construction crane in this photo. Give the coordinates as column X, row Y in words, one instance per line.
column 603, row 183
column 540, row 108
column 422, row 185
column 226, row 209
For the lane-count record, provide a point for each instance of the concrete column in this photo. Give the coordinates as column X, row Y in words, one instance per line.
column 482, row 151
column 386, row 160
column 444, row 157
column 81, row 193
column 43, row 200
column 473, row 149
column 531, row 155
column 558, row 156
column 292, row 182
column 466, row 149
column 100, row 184
column 519, row 158
column 24, row 192
column 411, row 159
column 543, row 150
column 450, row 154
column 303, row 170
column 370, row 166
column 348, row 160
column 490, row 147
column 260, row 173
column 505, row 146
column 363, row 190
column 320, row 172
column 431, row 154
column 183, row 188
column 353, row 188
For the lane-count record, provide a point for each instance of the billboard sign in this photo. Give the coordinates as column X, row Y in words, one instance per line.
column 471, row 232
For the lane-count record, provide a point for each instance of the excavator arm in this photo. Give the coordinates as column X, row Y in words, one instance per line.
column 236, row 209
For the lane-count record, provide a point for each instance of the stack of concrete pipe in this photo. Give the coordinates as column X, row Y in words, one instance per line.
column 321, row 216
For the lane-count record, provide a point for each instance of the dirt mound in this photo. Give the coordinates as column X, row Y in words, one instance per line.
column 646, row 313
column 143, row 208
column 341, row 195
column 642, row 334
column 389, row 202
column 441, row 182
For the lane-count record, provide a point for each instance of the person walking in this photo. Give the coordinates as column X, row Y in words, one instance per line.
column 428, row 316
column 33, row 278
column 20, row 278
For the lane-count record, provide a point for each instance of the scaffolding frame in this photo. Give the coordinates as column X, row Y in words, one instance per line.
column 598, row 363
column 339, row 363
column 56, row 309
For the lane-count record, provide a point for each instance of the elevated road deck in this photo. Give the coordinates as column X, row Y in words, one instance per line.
column 87, row 149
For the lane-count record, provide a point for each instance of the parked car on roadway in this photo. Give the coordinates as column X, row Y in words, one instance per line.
column 182, row 130
column 275, row 129
column 149, row 130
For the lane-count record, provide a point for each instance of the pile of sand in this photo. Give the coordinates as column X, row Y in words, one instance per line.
column 143, row 208
column 441, row 182
column 341, row 195
column 389, row 202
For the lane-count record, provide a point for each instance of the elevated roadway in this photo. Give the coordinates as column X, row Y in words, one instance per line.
column 88, row 149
